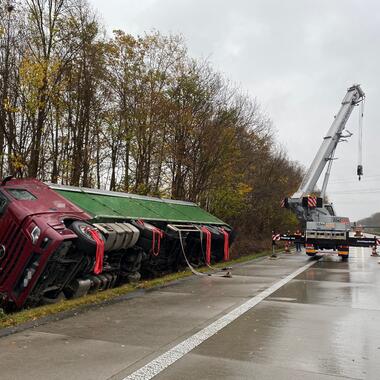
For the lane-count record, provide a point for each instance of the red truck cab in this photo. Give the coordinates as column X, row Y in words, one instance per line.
column 33, row 220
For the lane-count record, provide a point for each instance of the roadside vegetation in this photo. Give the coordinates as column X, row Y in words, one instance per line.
column 136, row 114
column 30, row 315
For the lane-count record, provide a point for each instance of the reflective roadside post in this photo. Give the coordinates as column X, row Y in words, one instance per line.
column 273, row 245
column 374, row 248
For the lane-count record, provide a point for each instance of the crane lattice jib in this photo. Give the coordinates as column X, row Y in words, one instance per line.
column 354, row 96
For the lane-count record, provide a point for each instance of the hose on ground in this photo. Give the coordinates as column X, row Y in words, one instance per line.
column 193, row 270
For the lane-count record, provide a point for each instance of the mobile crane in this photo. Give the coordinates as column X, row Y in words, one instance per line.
column 323, row 228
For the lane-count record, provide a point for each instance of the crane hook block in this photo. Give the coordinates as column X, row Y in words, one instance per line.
column 359, row 171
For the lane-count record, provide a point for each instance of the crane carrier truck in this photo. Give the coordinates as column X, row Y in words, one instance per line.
column 323, row 229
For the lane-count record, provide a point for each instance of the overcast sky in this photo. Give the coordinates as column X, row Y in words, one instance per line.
column 297, row 58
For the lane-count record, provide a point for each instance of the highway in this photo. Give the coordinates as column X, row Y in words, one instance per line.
column 291, row 317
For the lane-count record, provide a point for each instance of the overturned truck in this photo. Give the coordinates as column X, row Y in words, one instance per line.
column 66, row 241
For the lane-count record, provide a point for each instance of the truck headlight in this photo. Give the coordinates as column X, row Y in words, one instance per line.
column 35, row 234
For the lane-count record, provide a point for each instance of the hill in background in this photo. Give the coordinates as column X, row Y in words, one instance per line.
column 373, row 220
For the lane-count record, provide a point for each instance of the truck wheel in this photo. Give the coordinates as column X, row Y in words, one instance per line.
column 134, row 277
column 85, row 242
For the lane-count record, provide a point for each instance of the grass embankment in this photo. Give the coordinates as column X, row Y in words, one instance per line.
column 14, row 319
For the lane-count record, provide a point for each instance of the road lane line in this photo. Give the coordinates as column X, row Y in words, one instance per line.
column 165, row 360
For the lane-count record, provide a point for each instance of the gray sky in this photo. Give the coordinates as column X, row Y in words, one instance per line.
column 297, row 57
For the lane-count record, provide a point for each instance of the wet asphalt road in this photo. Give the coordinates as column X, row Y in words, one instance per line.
column 323, row 324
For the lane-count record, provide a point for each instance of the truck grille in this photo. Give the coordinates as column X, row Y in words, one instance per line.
column 14, row 240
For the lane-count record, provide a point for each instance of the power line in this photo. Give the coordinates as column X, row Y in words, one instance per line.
column 352, row 180
column 358, row 191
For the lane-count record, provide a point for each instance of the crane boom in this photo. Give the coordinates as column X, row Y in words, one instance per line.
column 322, row 228
column 324, row 211
column 353, row 96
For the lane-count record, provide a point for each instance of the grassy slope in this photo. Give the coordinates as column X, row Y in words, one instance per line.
column 14, row 319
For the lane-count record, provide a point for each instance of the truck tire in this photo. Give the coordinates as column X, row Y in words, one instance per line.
column 85, row 242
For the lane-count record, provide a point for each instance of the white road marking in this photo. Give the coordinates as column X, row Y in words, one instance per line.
column 165, row 360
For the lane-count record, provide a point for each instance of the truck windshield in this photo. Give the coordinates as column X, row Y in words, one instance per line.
column 22, row 194
column 3, row 202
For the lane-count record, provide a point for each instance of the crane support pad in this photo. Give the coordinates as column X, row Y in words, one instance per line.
column 362, row 242
column 289, row 237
